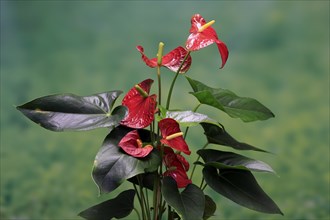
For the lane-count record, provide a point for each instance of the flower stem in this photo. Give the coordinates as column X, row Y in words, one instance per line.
column 143, row 199
column 173, row 82
column 156, row 198
column 137, row 212
column 141, row 202
column 205, row 185
column 159, row 64
column 159, row 86
column 202, row 182
column 148, row 206
column 194, row 167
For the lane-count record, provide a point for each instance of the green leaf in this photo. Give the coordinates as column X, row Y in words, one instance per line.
column 210, row 207
column 119, row 207
column 189, row 118
column 146, row 179
column 71, row 112
column 216, row 134
column 189, row 204
column 223, row 159
column 247, row 109
column 112, row 166
column 241, row 187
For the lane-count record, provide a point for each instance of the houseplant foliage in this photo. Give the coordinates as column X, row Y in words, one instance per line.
column 146, row 144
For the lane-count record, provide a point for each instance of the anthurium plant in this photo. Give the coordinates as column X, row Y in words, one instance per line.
column 147, row 147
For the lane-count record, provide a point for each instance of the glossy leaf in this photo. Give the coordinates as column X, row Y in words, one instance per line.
column 210, row 207
column 241, row 187
column 119, row 207
column 189, row 204
column 145, row 180
column 247, row 109
column 112, row 166
column 189, row 118
column 71, row 112
column 216, row 134
column 231, row 160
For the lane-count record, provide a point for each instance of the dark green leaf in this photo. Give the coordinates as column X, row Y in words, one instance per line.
column 241, row 187
column 247, row 109
column 189, row 118
column 220, row 159
column 210, row 207
column 71, row 112
column 112, row 166
column 146, row 180
column 216, row 134
column 189, row 204
column 119, row 207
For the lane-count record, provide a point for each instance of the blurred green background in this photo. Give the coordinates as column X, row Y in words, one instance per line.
column 279, row 54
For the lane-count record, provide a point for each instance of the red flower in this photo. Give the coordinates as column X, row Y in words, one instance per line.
column 172, row 136
column 132, row 145
column 141, row 106
column 204, row 35
column 177, row 167
column 172, row 60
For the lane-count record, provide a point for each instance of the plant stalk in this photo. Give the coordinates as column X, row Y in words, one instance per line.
column 173, row 82
column 194, row 167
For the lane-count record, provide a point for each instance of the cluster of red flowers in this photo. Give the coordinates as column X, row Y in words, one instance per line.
column 142, row 106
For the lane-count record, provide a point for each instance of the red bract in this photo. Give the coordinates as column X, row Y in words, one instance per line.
column 200, row 38
column 132, row 145
column 172, row 60
column 172, row 135
column 177, row 166
column 141, row 106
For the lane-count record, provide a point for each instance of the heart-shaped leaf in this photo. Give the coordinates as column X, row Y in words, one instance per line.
column 210, row 207
column 189, row 204
column 222, row 159
column 189, row 118
column 216, row 134
column 145, row 180
column 71, row 112
column 247, row 109
column 119, row 207
column 112, row 166
column 241, row 187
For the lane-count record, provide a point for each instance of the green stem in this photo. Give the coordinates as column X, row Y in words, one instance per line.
column 173, row 82
column 202, row 182
column 137, row 212
column 159, row 86
column 159, row 100
column 152, row 132
column 194, row 167
column 204, row 187
column 157, row 194
column 148, row 206
column 156, row 197
column 143, row 199
column 162, row 205
column 140, row 201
